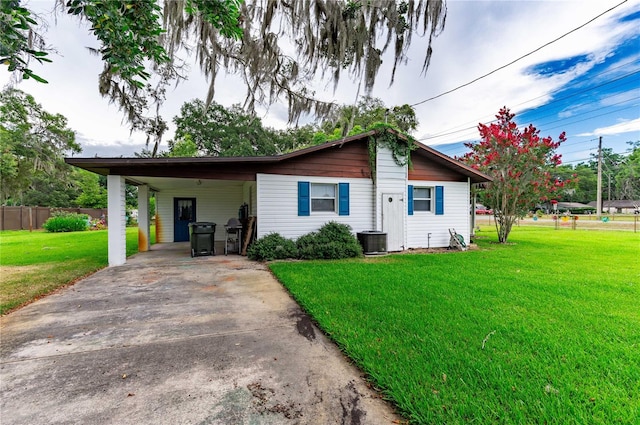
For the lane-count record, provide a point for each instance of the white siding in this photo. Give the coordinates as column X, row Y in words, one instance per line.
column 216, row 201
column 277, row 205
column 456, row 216
column 390, row 178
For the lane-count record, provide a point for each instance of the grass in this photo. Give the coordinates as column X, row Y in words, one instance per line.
column 544, row 330
column 33, row 264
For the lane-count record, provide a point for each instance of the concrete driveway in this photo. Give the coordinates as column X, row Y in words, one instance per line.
column 170, row 339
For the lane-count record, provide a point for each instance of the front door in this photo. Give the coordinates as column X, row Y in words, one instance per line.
column 184, row 213
column 393, row 220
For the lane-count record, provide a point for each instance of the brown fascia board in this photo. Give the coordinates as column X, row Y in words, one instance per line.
column 475, row 175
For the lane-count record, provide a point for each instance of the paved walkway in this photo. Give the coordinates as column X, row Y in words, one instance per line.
column 170, row 339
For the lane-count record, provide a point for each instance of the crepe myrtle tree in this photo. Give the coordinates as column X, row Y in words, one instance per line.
column 521, row 164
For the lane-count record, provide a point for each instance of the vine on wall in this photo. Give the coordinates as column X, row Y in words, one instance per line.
column 399, row 143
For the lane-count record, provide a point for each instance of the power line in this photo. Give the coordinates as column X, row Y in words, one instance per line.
column 520, row 58
column 453, row 131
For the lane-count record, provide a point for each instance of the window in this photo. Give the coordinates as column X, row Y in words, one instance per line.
column 422, row 198
column 323, row 197
column 426, row 199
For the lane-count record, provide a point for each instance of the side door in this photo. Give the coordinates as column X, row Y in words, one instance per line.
column 393, row 220
column 184, row 212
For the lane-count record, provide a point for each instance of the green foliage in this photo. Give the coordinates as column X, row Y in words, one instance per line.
column 333, row 241
column 222, row 14
column 400, row 145
column 140, row 43
column 128, row 33
column 219, row 131
column 551, row 339
column 152, row 207
column 183, row 148
column 19, row 42
column 272, row 247
column 92, row 193
column 215, row 130
column 348, row 120
column 51, row 192
column 66, row 222
column 627, row 179
column 33, row 143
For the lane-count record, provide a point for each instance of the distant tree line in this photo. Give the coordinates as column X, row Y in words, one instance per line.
column 620, row 176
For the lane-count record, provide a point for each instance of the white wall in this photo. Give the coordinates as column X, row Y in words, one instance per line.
column 456, row 216
column 216, row 201
column 391, row 178
column 277, row 205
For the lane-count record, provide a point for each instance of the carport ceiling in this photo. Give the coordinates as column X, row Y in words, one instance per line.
column 168, row 183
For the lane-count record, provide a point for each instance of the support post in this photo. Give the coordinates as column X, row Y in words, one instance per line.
column 144, row 241
column 117, row 220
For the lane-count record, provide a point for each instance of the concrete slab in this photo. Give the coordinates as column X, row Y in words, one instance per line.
column 170, row 339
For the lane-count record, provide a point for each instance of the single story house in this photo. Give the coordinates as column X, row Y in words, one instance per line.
column 357, row 180
column 621, row 206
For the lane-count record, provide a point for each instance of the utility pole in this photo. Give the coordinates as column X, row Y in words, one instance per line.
column 599, row 192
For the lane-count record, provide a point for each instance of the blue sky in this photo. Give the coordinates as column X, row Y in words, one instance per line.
column 586, row 83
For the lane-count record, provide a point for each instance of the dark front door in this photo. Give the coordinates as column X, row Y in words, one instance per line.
column 184, row 213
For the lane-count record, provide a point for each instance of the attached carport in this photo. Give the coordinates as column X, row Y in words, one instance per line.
column 230, row 178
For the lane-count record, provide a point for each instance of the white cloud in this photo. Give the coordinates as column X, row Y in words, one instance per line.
column 629, row 126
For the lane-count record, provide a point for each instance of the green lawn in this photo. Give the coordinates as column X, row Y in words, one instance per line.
column 544, row 330
column 33, row 264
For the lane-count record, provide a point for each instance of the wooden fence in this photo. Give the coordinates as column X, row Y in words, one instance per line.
column 27, row 218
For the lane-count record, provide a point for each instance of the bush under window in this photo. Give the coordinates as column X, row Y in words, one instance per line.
column 272, row 247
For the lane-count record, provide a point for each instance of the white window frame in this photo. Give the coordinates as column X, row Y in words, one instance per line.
column 334, row 197
column 430, row 198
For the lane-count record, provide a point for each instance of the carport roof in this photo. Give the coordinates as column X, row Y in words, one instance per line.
column 240, row 168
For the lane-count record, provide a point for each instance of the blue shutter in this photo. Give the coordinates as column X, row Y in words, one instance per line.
column 439, row 200
column 304, row 201
column 410, row 202
column 343, row 198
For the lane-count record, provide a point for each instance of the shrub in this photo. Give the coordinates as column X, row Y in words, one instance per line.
column 66, row 222
column 272, row 247
column 332, row 241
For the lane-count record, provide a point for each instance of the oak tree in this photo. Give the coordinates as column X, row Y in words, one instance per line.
column 277, row 47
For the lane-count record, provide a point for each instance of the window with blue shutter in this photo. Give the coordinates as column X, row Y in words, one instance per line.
column 410, row 201
column 439, row 200
column 304, row 200
column 343, row 201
